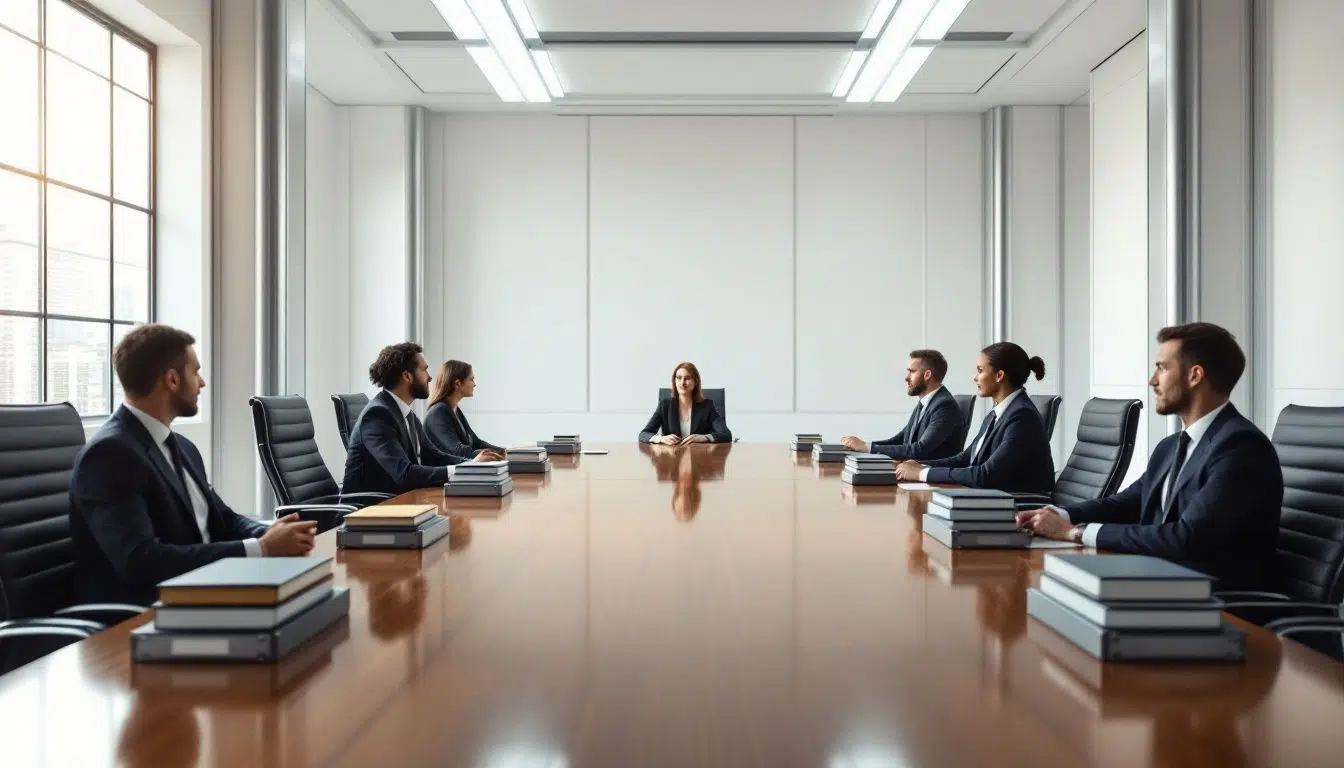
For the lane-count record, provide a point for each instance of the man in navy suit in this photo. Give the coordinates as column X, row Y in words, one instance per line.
column 935, row 428
column 389, row 451
column 1211, row 494
column 142, row 509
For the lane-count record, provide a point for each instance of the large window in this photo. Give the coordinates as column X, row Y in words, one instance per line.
column 76, row 200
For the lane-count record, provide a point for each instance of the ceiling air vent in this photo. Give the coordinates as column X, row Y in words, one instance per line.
column 977, row 37
column 425, row 37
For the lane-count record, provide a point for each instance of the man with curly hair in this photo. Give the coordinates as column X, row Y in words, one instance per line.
column 389, row 451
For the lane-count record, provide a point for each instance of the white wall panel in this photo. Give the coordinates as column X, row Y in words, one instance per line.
column 515, row 259
column 691, row 258
column 1077, row 325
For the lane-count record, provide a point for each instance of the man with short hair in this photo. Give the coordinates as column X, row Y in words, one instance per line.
column 935, row 428
column 141, row 507
column 1211, row 495
column 389, row 451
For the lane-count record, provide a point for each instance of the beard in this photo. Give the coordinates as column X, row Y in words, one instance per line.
column 420, row 391
column 1175, row 403
column 917, row 389
column 184, row 408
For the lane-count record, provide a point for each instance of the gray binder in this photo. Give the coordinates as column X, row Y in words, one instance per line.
column 150, row 644
column 386, row 539
column 939, row 530
column 1224, row 644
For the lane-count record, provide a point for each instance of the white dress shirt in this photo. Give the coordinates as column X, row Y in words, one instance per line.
column 686, row 427
column 406, row 417
column 160, row 433
column 975, row 447
column 1196, row 432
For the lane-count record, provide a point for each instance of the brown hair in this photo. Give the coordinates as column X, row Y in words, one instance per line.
column 394, row 360
column 1212, row 348
column 933, row 360
column 697, row 395
column 146, row 352
column 450, row 373
column 1013, row 361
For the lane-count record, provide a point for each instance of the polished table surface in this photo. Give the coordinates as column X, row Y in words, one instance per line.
column 710, row 605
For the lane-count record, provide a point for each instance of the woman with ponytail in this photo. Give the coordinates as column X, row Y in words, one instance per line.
column 1011, row 452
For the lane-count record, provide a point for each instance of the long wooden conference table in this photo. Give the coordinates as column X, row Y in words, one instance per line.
column 709, row 605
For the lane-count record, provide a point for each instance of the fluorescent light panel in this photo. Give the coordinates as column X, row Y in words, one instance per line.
column 460, row 19
column 851, row 71
column 524, row 19
column 904, row 71
column 893, row 42
column 879, row 17
column 503, row 37
column 941, row 19
column 548, row 74
column 495, row 72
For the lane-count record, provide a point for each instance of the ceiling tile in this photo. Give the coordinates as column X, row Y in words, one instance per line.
column 700, row 15
column 442, row 71
column 667, row 71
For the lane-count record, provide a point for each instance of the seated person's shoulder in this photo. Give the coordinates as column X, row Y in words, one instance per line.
column 111, row 456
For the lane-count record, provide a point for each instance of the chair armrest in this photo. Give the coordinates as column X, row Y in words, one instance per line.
column 1269, row 608
column 286, row 509
column 29, row 631
column 1232, row 596
column 1322, row 634
column 106, row 614
column 83, row 625
column 370, row 495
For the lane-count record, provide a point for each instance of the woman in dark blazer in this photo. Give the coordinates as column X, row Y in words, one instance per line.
column 1011, row 452
column 445, row 423
column 687, row 416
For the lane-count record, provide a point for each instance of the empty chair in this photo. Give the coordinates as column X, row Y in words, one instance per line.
column 348, row 409
column 1307, row 574
column 1048, row 407
column 715, row 396
column 38, row 446
column 293, row 464
column 967, row 405
column 1101, row 456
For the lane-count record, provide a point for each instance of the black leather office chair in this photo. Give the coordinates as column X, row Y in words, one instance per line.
column 38, row 446
column 1101, row 456
column 348, row 409
column 715, row 396
column 1307, row 578
column 299, row 477
column 967, row 405
column 1048, row 407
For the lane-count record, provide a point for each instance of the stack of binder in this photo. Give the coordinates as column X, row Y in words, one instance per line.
column 829, row 452
column 562, row 444
column 974, row 518
column 1134, row 608
column 241, row 609
column 869, row 469
column 479, row 478
column 528, row 460
column 804, row 441
column 392, row 526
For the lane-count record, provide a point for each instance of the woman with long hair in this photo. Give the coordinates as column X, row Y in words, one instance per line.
column 687, row 416
column 445, row 423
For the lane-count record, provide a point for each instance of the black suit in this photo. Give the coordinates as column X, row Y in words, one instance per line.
column 705, row 420
column 381, row 455
column 454, row 435
column 1014, row 456
column 933, row 432
column 131, row 520
column 1223, row 513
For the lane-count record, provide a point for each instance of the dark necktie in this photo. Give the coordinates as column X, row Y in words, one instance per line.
column 984, row 436
column 412, row 427
column 1171, row 509
column 179, row 464
column 912, row 434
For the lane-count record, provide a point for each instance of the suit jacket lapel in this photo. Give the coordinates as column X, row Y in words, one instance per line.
column 699, row 412
column 1152, row 500
column 389, row 400
column 155, row 455
column 1195, row 461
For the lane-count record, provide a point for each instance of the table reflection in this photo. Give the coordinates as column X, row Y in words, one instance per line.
column 686, row 466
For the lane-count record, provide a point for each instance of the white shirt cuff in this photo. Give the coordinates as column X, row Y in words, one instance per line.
column 1090, row 532
column 1064, row 513
column 924, row 475
column 252, row 547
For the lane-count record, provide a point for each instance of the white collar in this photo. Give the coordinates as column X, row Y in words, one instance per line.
column 1197, row 430
column 928, row 396
column 157, row 429
column 405, row 409
column 1003, row 404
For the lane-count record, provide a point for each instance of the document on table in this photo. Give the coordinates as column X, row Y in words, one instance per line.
column 914, row 486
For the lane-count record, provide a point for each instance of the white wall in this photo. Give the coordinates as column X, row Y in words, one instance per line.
column 1306, row 196
column 327, row 278
column 1120, row 364
column 1077, row 283
column 796, row 261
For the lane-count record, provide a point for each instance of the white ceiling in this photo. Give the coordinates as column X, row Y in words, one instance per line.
column 353, row 57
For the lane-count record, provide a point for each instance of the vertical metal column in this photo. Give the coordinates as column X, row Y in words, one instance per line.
column 998, row 213
column 416, row 159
